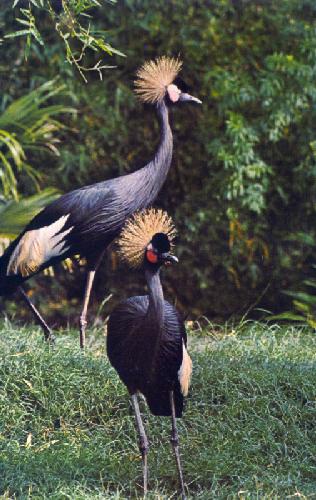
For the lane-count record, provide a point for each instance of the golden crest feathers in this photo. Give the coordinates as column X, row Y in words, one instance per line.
column 138, row 232
column 154, row 77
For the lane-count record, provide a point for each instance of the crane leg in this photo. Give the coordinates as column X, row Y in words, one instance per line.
column 175, row 444
column 48, row 334
column 83, row 315
column 143, row 441
column 93, row 264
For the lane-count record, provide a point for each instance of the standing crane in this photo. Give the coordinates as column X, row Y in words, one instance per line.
column 146, row 341
column 87, row 220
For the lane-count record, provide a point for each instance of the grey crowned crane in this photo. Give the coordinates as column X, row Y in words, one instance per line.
column 146, row 340
column 87, row 220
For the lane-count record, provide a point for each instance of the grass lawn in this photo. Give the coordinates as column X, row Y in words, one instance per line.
column 249, row 429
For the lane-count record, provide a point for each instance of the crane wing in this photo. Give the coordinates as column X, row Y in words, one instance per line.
column 36, row 247
column 59, row 230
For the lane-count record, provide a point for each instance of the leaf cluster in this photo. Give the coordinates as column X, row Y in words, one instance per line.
column 28, row 125
column 72, row 24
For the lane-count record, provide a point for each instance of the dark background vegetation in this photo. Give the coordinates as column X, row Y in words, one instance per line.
column 242, row 183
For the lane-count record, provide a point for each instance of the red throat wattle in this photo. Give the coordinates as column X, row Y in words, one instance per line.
column 152, row 256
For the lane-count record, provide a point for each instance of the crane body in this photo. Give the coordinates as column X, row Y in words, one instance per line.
column 146, row 341
column 148, row 356
column 86, row 220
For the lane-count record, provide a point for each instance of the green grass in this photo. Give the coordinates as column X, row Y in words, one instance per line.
column 249, row 429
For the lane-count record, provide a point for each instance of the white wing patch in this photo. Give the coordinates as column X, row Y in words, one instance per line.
column 37, row 247
column 185, row 372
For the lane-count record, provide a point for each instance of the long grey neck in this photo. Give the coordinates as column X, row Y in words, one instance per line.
column 156, row 310
column 152, row 176
column 163, row 156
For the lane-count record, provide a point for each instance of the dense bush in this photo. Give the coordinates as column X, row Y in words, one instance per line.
column 242, row 183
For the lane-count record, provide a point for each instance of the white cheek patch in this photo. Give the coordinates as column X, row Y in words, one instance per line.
column 185, row 372
column 37, row 247
column 173, row 92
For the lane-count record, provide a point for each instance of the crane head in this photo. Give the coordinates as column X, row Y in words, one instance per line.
column 177, row 92
column 147, row 237
column 158, row 80
column 158, row 251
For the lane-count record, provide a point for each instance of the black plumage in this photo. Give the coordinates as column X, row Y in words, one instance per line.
column 146, row 344
column 148, row 360
column 86, row 221
column 96, row 213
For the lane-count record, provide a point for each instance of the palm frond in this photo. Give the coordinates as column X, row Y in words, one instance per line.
column 28, row 109
column 14, row 215
column 28, row 124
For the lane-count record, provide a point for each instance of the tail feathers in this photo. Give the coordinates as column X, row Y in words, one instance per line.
column 8, row 283
column 159, row 402
column 185, row 372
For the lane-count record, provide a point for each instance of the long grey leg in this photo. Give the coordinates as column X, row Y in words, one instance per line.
column 83, row 315
column 48, row 334
column 93, row 264
column 143, row 441
column 175, row 443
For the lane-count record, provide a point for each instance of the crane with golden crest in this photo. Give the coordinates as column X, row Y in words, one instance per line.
column 146, row 340
column 85, row 221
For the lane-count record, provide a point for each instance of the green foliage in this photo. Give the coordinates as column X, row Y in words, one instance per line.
column 14, row 215
column 28, row 125
column 71, row 23
column 303, row 302
column 242, row 185
column 67, row 429
column 30, row 31
column 13, row 149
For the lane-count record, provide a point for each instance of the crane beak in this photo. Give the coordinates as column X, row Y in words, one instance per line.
column 188, row 98
column 168, row 259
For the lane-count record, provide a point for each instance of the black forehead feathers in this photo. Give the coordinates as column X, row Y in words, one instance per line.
column 160, row 242
column 180, row 83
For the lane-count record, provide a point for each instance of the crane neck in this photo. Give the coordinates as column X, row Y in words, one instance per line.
column 153, row 321
column 156, row 308
column 140, row 188
column 153, row 175
column 162, row 160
